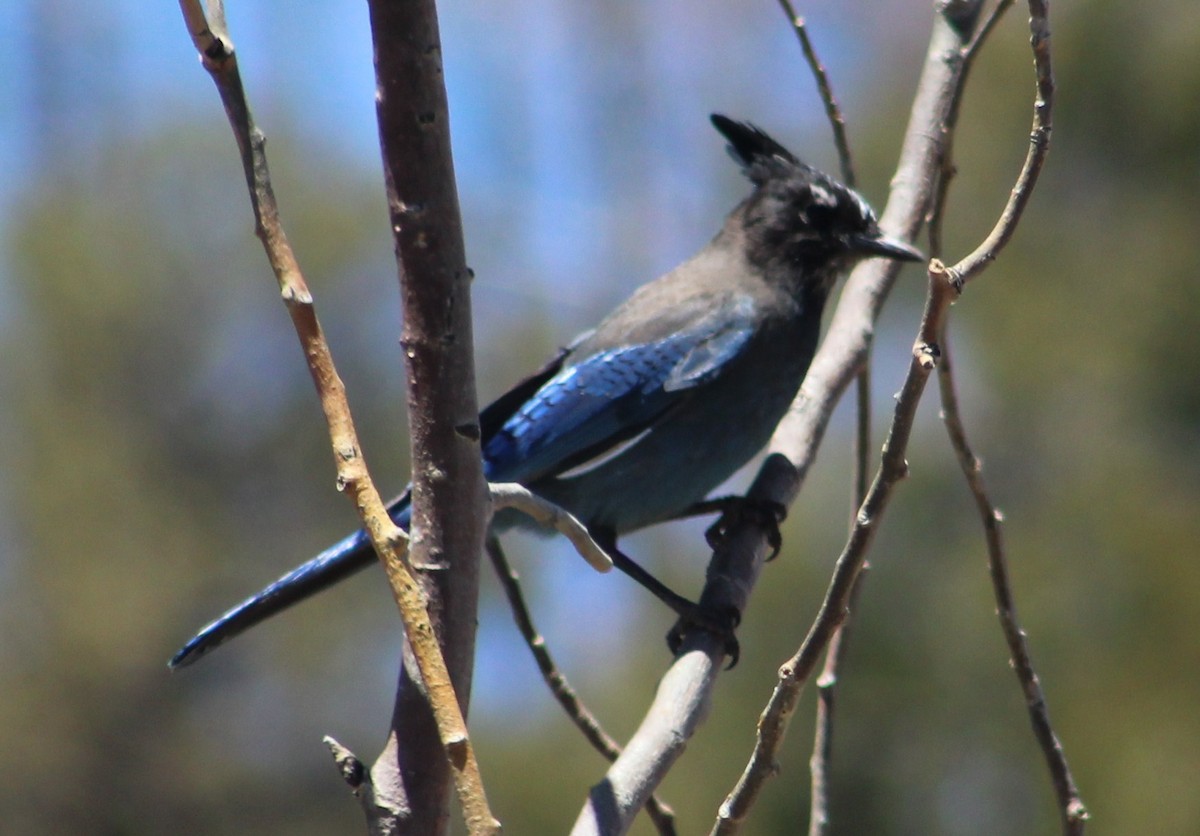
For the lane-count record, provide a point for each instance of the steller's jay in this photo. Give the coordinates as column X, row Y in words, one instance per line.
column 636, row 421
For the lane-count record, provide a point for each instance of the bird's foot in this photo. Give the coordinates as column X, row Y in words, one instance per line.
column 720, row 622
column 764, row 513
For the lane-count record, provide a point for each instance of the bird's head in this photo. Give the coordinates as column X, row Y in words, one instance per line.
column 798, row 218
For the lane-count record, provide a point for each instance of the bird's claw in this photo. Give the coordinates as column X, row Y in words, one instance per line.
column 765, row 513
column 719, row 622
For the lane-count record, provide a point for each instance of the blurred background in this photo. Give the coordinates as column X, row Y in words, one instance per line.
column 162, row 454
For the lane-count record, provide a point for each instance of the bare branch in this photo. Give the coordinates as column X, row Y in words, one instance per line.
column 836, row 120
column 772, row 725
column 794, row 673
column 1071, row 806
column 449, row 495
column 1072, row 810
column 219, row 59
column 827, row 682
column 680, row 705
column 549, row 515
column 985, row 29
column 660, row 813
column 1039, row 145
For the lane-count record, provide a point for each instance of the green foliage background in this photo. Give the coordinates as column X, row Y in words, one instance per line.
column 162, row 453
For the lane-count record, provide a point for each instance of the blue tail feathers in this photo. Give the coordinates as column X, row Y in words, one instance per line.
column 339, row 561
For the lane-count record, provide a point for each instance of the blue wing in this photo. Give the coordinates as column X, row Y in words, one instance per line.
column 596, row 404
column 551, row 422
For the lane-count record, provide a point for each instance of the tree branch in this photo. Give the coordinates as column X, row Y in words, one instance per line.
column 772, row 725
column 449, row 504
column 825, row 89
column 549, row 515
column 1072, row 810
column 658, row 810
column 210, row 36
column 1071, row 807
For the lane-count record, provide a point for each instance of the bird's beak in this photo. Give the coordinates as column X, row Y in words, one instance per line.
column 885, row 247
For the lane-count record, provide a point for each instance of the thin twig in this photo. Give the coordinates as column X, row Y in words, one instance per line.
column 823, row 736
column 836, row 120
column 1035, row 157
column 985, row 29
column 659, row 811
column 549, row 515
column 827, row 682
column 794, row 673
column 218, row 57
column 1071, row 807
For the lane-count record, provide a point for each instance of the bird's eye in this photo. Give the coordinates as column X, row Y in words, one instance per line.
column 820, row 214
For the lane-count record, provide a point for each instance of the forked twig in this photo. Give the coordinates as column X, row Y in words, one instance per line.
column 1072, row 810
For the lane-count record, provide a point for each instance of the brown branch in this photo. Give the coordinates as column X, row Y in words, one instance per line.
column 449, row 515
column 549, row 515
column 209, row 35
column 658, row 810
column 794, row 673
column 819, row 762
column 1035, row 157
column 832, row 111
column 1071, row 807
column 773, row 723
column 822, row 751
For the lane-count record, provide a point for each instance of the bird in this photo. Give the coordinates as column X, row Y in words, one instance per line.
column 636, row 421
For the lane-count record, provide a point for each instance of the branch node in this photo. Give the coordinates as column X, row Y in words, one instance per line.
column 926, row 355
column 354, row 772
column 293, row 295
column 1077, row 812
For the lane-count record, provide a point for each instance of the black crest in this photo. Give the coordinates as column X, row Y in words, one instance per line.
column 758, row 154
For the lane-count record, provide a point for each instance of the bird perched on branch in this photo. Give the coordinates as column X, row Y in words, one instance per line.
column 637, row 420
